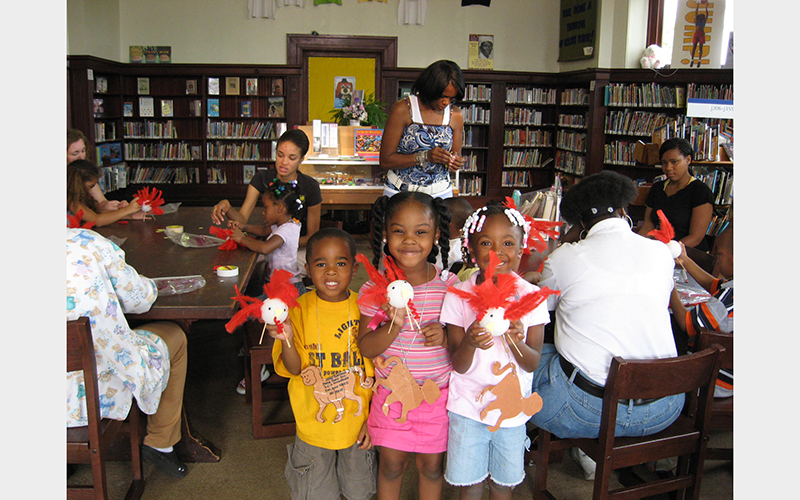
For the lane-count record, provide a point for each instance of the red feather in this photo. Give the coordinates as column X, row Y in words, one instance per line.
column 665, row 232
column 151, row 197
column 374, row 292
column 539, row 229
column 224, row 234
column 528, row 303
column 250, row 308
column 279, row 287
column 74, row 221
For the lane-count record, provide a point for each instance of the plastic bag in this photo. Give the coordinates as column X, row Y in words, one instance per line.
column 177, row 285
column 689, row 291
column 170, row 208
column 190, row 240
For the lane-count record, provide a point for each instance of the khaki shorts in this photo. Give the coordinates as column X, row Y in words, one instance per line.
column 315, row 473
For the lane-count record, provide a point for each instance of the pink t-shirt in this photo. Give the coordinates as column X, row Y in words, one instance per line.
column 423, row 362
column 464, row 387
column 285, row 257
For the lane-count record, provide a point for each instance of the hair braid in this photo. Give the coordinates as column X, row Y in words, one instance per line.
column 378, row 225
column 444, row 218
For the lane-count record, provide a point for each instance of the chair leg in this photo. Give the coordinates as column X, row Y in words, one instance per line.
column 602, row 479
column 136, row 422
column 542, row 464
column 256, row 396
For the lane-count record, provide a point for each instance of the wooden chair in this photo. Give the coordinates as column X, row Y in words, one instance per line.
column 721, row 408
column 275, row 388
column 686, row 438
column 90, row 444
column 705, row 260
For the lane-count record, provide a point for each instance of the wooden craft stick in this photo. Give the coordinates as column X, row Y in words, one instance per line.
column 513, row 344
column 262, row 334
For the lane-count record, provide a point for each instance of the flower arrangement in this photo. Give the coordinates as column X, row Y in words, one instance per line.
column 369, row 112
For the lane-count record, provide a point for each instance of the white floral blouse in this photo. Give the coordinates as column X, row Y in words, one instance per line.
column 135, row 363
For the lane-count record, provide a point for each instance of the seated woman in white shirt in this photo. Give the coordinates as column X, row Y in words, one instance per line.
column 615, row 287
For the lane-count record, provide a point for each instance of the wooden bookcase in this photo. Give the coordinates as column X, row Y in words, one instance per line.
column 189, row 154
column 521, row 129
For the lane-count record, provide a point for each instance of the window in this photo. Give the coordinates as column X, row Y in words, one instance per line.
column 661, row 22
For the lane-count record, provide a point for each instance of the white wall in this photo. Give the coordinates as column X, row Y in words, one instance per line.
column 215, row 31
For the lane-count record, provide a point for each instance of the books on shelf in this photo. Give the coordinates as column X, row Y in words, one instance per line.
column 231, row 85
column 478, row 92
column 166, row 108
column 164, row 175
column 191, row 86
column 196, row 107
column 109, row 154
column 143, row 85
column 101, row 85
column 525, row 95
column 276, row 107
column 159, row 151
column 367, row 142
column 146, row 107
column 249, row 172
column 476, row 114
column 196, row 153
column 575, row 97
column 127, row 108
column 216, row 175
column 277, row 86
column 99, row 110
column 113, row 177
column 240, row 130
column 213, row 107
column 149, row 130
column 643, row 95
column 247, row 151
column 246, row 108
column 213, row 86
column 105, row 131
column 251, row 86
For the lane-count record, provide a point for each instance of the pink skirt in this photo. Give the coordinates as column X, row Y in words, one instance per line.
column 424, row 431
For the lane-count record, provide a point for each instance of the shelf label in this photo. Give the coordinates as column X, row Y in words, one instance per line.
column 709, row 108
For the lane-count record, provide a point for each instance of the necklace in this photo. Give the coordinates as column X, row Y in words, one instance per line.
column 349, row 354
column 403, row 348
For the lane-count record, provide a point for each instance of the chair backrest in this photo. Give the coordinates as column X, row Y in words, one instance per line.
column 695, row 374
column 705, row 260
column 707, row 338
column 80, row 356
column 331, row 223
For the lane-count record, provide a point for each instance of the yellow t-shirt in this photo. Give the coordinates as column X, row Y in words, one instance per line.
column 325, row 335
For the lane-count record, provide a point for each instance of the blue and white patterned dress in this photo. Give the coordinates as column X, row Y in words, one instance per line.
column 421, row 137
column 130, row 363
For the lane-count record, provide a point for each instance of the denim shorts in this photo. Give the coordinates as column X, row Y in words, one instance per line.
column 569, row 412
column 316, row 473
column 475, row 453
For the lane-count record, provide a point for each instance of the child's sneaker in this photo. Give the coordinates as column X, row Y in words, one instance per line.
column 587, row 464
column 241, row 389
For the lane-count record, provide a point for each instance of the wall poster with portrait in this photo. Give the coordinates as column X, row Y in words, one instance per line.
column 330, row 79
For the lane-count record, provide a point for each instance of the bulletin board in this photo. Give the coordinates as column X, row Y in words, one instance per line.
column 322, row 72
column 578, row 30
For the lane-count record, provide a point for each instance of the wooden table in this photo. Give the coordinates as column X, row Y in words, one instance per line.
column 152, row 254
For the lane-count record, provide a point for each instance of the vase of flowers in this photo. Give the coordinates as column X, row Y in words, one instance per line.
column 370, row 112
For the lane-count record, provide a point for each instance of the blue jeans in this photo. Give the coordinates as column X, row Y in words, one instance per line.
column 569, row 412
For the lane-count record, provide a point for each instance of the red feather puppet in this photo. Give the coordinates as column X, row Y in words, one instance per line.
column 281, row 295
column 495, row 300
column 74, row 221
column 150, row 200
column 537, row 230
column 224, row 234
column 390, row 287
column 665, row 233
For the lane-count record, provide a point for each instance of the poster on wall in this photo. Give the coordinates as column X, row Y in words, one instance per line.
column 481, row 52
column 577, row 30
column 343, row 88
column 698, row 40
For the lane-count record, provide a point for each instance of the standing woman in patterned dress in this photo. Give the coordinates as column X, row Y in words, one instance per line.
column 424, row 133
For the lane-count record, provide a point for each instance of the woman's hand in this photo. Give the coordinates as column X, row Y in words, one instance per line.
column 237, row 236
column 235, row 224
column 219, row 211
column 456, row 162
column 439, row 155
column 478, row 337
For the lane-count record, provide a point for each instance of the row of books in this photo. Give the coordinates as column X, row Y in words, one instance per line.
column 530, row 158
column 720, row 182
column 474, row 114
column 238, row 130
column 164, row 175
column 573, row 141
column 575, row 97
column 474, row 138
column 569, row 162
column 528, row 137
column 718, row 224
column 699, row 91
column 706, row 136
column 517, row 178
column 644, row 95
column 158, row 151
column 216, row 175
column 113, row 177
column 105, row 131
column 233, row 151
column 472, row 163
column 573, row 121
column 470, row 186
column 478, row 92
column 524, row 95
column 149, row 130
column 523, row 116
column 619, row 153
column 641, row 123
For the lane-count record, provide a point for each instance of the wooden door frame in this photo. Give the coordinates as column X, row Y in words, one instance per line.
column 383, row 49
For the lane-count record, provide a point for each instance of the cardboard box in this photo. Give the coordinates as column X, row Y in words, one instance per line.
column 646, row 153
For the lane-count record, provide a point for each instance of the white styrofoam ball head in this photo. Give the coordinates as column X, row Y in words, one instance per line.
column 494, row 321
column 274, row 310
column 399, row 292
column 675, row 248
column 146, row 207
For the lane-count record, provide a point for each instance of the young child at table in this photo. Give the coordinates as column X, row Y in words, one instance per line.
column 459, row 209
column 322, row 348
column 82, row 177
column 281, row 231
column 406, row 227
column 474, row 452
column 715, row 314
